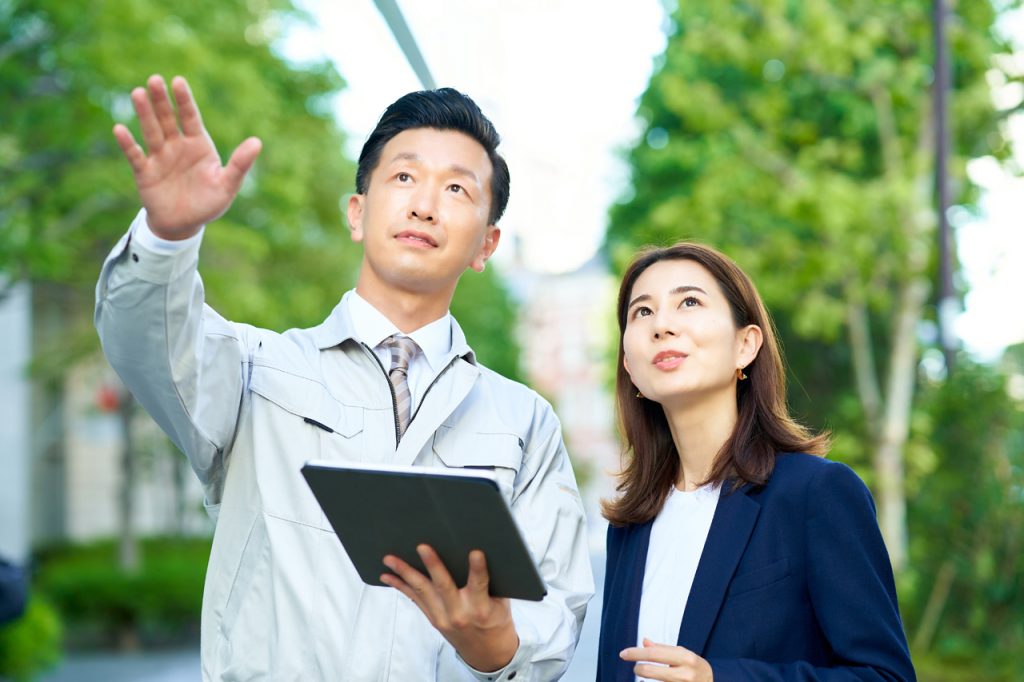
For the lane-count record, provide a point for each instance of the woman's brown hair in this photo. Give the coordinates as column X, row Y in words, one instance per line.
column 763, row 427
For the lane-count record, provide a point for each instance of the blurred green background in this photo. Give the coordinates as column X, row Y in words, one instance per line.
column 795, row 136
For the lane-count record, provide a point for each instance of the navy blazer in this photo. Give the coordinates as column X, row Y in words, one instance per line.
column 794, row 583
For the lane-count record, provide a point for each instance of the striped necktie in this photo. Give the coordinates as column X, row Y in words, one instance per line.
column 402, row 350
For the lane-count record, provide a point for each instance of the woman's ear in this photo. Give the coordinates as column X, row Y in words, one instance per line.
column 750, row 339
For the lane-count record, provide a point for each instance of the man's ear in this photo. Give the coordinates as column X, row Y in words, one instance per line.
column 491, row 239
column 355, row 216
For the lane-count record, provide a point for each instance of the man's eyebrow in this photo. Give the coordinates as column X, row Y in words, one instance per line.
column 454, row 168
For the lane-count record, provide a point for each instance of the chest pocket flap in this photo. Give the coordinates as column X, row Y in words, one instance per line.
column 457, row 447
column 306, row 398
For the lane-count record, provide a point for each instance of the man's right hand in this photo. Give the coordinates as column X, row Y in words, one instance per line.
column 181, row 182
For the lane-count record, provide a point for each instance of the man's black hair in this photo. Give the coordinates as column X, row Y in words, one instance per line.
column 442, row 109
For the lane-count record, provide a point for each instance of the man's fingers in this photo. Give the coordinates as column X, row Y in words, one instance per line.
column 162, row 107
column 439, row 574
column 188, row 112
column 240, row 162
column 151, row 132
column 132, row 151
column 427, row 597
column 479, row 579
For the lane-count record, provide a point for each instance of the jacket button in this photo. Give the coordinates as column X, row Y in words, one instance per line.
column 512, row 676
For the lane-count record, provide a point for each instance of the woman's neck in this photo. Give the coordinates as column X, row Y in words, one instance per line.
column 699, row 430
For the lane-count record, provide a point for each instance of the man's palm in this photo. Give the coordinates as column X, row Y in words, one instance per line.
column 181, row 182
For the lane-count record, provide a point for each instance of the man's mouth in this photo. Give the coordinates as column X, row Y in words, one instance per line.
column 416, row 238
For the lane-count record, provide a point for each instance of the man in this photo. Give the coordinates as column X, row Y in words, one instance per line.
column 249, row 406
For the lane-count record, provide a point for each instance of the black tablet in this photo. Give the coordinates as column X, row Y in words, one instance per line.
column 390, row 509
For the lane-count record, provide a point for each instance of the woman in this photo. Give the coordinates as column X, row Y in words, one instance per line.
column 735, row 550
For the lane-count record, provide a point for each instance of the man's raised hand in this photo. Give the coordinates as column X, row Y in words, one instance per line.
column 181, row 181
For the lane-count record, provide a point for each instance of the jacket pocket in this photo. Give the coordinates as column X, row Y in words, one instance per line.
column 498, row 453
column 298, row 420
column 760, row 577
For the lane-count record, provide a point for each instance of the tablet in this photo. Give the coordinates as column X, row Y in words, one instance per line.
column 390, row 509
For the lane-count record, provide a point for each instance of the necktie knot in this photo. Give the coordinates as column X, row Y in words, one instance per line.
column 402, row 350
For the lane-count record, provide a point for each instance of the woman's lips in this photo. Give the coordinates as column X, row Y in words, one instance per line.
column 668, row 359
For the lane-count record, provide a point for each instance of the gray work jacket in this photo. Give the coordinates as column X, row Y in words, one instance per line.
column 282, row 601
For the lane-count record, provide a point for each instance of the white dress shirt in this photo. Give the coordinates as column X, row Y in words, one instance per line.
column 434, row 340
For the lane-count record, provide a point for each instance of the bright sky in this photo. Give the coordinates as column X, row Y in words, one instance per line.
column 560, row 79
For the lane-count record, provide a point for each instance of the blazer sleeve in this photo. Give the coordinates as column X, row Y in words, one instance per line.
column 852, row 591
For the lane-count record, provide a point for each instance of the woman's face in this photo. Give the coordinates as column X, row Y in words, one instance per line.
column 680, row 343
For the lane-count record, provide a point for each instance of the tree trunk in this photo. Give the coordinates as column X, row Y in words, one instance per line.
column 128, row 547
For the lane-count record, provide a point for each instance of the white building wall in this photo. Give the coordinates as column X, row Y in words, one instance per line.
column 15, row 440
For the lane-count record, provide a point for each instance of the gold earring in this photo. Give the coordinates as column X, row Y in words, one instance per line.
column 739, row 374
column 639, row 394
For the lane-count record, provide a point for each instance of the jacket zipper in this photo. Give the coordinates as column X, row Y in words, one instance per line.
column 394, row 398
column 436, row 379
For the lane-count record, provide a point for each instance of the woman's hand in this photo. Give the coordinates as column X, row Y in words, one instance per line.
column 677, row 664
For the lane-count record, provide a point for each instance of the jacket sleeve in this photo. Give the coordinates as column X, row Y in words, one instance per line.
column 182, row 361
column 851, row 588
column 548, row 509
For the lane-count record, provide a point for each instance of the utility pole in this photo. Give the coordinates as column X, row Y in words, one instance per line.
column 392, row 14
column 948, row 305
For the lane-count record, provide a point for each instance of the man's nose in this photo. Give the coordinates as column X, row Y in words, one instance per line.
column 422, row 205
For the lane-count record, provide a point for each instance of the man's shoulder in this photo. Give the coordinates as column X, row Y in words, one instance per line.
column 504, row 388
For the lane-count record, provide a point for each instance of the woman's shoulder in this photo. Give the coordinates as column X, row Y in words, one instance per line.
column 811, row 472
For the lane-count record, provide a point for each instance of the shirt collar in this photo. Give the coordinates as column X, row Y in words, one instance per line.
column 372, row 327
column 340, row 326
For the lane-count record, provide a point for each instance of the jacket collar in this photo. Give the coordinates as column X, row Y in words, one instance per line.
column 338, row 328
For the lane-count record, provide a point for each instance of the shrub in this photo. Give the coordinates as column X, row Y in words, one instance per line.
column 159, row 602
column 32, row 643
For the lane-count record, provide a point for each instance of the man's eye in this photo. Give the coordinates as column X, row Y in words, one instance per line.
column 404, row 177
column 457, row 189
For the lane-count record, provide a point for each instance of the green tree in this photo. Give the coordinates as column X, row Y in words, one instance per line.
column 796, row 136
column 280, row 258
column 968, row 505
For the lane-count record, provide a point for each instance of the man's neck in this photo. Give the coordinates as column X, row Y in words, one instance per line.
column 408, row 311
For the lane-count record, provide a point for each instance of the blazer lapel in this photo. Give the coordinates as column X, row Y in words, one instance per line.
column 621, row 623
column 727, row 539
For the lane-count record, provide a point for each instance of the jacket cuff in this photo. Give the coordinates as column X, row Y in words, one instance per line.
column 518, row 668
column 152, row 259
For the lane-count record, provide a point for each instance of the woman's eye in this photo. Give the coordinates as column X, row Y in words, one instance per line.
column 690, row 302
column 404, row 177
column 456, row 188
column 641, row 311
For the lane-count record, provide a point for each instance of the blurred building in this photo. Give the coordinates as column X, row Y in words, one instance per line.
column 567, row 334
column 63, row 444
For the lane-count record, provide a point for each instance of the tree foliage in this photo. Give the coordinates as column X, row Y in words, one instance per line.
column 280, row 257
column 797, row 137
